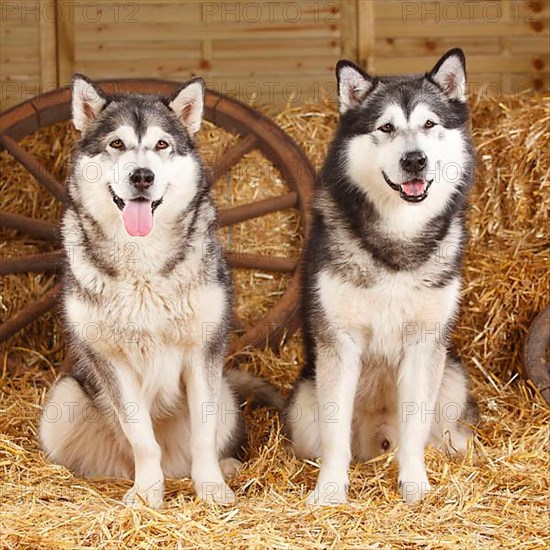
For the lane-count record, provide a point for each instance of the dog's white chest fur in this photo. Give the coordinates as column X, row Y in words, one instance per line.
column 392, row 313
column 142, row 312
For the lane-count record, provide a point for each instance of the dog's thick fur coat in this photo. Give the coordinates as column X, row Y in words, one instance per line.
column 382, row 280
column 147, row 298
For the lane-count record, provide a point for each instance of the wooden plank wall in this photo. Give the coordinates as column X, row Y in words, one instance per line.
column 507, row 42
column 27, row 50
column 259, row 51
column 267, row 51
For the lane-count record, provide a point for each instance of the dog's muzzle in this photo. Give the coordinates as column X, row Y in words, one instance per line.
column 137, row 213
column 121, row 204
column 414, row 190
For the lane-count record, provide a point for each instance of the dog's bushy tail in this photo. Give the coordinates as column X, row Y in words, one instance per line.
column 261, row 392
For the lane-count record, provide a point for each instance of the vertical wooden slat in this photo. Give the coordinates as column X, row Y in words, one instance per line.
column 65, row 41
column 349, row 47
column 366, row 33
column 505, row 81
column 48, row 50
column 206, row 49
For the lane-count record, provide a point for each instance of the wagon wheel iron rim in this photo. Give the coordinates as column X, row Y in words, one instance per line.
column 536, row 358
column 256, row 132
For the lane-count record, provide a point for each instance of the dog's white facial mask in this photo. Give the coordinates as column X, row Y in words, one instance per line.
column 134, row 169
column 153, row 152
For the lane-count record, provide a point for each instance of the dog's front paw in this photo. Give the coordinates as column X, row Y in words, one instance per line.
column 328, row 493
column 414, row 487
column 218, row 492
column 152, row 495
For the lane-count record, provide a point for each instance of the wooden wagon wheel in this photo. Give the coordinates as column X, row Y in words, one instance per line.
column 255, row 131
column 536, row 358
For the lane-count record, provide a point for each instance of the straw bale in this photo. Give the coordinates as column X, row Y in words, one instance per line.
column 496, row 496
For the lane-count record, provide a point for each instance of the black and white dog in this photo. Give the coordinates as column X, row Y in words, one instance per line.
column 382, row 280
column 148, row 302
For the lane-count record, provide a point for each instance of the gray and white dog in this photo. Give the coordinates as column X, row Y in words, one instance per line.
column 382, row 278
column 148, row 302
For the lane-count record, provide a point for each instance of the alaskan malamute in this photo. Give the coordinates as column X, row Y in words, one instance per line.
column 148, row 303
column 382, row 280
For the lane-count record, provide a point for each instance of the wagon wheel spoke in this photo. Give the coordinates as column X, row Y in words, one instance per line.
column 46, row 261
column 238, row 324
column 237, row 214
column 232, row 156
column 256, row 131
column 24, row 224
column 9, row 365
column 282, row 319
column 256, row 261
column 67, row 362
column 42, row 175
column 30, row 313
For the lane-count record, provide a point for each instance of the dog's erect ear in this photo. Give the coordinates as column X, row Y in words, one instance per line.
column 450, row 74
column 353, row 84
column 188, row 104
column 87, row 102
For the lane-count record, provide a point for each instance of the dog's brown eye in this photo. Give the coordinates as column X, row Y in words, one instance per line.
column 161, row 144
column 387, row 128
column 429, row 124
column 117, row 144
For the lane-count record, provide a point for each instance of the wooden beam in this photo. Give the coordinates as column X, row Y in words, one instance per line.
column 366, row 33
column 349, row 47
column 65, row 41
column 48, row 49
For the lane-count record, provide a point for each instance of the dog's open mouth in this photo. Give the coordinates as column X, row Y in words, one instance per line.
column 415, row 190
column 137, row 214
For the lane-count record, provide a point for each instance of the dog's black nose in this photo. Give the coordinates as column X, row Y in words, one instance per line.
column 142, row 178
column 414, row 161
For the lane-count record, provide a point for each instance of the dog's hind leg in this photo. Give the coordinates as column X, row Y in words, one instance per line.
column 301, row 422
column 85, row 439
column 230, row 467
column 455, row 410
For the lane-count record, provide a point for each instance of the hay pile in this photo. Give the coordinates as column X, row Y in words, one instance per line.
column 497, row 496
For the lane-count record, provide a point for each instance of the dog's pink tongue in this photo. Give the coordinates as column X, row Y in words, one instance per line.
column 138, row 217
column 414, row 188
